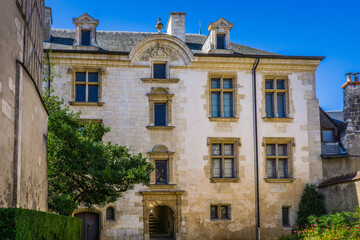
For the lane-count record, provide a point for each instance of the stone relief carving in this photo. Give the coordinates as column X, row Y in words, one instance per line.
column 159, row 51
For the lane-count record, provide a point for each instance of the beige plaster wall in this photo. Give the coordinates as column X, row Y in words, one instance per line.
column 126, row 111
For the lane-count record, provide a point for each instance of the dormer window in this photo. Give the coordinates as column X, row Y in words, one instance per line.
column 85, row 32
column 219, row 38
column 159, row 70
column 220, row 41
column 85, row 37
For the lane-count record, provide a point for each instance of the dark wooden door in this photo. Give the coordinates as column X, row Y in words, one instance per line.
column 90, row 225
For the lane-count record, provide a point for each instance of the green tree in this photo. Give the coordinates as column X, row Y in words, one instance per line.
column 311, row 203
column 81, row 168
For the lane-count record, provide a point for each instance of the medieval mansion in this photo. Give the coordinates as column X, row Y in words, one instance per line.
column 233, row 131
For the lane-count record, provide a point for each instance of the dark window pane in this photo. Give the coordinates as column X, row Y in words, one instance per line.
column 110, row 216
column 283, row 168
column 215, row 104
column 269, row 105
column 220, row 41
column 215, row 83
column 161, row 172
column 227, row 83
column 159, row 70
column 228, row 104
column 93, row 77
column 282, row 150
column 216, row 168
column 285, row 216
column 80, row 93
column 229, row 168
column 228, row 150
column 280, row 84
column 80, row 77
column 269, row 84
column 270, row 150
column 85, row 37
column 214, row 212
column 328, row 135
column 93, row 94
column 271, row 168
column 281, row 105
column 224, row 212
column 216, row 149
column 160, row 114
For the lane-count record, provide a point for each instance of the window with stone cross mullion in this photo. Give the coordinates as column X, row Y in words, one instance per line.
column 218, row 93
column 274, row 88
column 87, row 83
column 223, row 157
column 278, row 157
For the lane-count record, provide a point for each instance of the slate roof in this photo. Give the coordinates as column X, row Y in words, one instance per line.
column 338, row 115
column 113, row 41
column 351, row 177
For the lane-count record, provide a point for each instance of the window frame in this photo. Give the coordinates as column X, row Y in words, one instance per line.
column 328, row 129
column 290, row 143
column 288, row 224
column 275, row 93
column 160, row 96
column 217, row 42
column 81, row 36
column 106, row 214
column 235, row 142
column 162, row 155
column 223, row 90
column 219, row 215
column 99, row 71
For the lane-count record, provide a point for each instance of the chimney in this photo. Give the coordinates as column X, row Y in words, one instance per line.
column 47, row 22
column 351, row 134
column 176, row 25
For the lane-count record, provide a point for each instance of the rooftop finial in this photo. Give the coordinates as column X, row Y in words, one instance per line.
column 159, row 25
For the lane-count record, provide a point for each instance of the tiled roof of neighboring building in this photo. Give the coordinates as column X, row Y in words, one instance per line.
column 338, row 115
column 113, row 41
column 340, row 179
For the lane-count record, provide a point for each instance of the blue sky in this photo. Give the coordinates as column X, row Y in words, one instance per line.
column 291, row 27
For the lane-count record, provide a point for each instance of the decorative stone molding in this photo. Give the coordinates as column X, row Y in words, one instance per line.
column 159, row 51
column 223, row 27
column 160, row 95
column 160, row 80
column 85, row 22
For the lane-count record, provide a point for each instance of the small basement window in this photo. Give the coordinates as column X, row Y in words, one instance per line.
column 285, row 216
column 159, row 70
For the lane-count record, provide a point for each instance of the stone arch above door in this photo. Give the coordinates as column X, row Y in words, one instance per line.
column 171, row 199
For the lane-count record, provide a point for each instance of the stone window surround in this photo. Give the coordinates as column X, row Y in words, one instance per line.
column 289, row 216
column 236, row 105
column 86, row 22
column 101, row 74
column 289, row 108
column 113, row 208
column 291, row 144
column 229, row 218
column 160, row 152
column 236, row 144
column 221, row 26
column 160, row 95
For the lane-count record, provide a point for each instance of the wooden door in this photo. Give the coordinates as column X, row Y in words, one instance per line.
column 90, row 225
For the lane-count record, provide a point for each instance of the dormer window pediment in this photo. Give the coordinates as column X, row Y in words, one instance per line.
column 220, row 36
column 85, row 32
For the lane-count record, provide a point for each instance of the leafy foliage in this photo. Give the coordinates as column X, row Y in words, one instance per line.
column 311, row 203
column 82, row 169
column 344, row 225
column 25, row 224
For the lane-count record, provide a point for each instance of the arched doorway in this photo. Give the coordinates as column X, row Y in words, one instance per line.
column 90, row 225
column 161, row 223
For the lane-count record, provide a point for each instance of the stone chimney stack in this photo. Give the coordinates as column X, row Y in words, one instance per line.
column 176, row 25
column 47, row 22
column 351, row 136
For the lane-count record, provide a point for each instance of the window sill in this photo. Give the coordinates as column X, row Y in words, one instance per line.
column 274, row 119
column 279, row 180
column 223, row 119
column 160, row 80
column 73, row 103
column 222, row 51
column 221, row 180
column 162, row 186
column 221, row 220
column 160, row 127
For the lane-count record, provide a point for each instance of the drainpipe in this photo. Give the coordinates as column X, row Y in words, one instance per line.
column 256, row 157
column 49, row 71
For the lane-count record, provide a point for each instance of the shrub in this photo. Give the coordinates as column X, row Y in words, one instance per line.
column 344, row 225
column 312, row 203
column 25, row 224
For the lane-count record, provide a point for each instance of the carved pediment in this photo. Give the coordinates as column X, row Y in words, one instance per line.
column 221, row 23
column 159, row 51
column 85, row 19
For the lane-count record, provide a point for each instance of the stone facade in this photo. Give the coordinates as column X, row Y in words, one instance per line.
column 127, row 91
column 23, row 117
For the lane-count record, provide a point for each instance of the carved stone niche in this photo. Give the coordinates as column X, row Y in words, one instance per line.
column 159, row 51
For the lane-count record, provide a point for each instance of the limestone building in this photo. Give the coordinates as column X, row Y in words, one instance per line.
column 233, row 131
column 23, row 116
